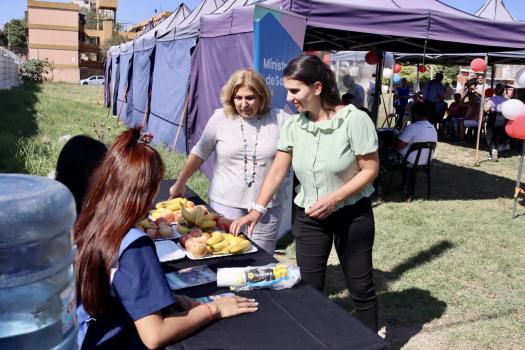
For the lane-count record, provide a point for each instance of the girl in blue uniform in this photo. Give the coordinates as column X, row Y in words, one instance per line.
column 124, row 299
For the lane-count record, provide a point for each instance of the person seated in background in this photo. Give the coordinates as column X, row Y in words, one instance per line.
column 420, row 130
column 454, row 111
column 124, row 300
column 496, row 120
column 76, row 162
column 416, row 98
column 471, row 105
column 347, row 98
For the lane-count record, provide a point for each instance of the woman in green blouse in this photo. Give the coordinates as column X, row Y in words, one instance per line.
column 333, row 151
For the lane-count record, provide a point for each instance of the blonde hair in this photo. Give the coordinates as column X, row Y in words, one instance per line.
column 250, row 79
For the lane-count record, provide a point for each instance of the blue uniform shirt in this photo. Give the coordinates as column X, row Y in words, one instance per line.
column 140, row 289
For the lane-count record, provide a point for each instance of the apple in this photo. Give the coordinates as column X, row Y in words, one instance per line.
column 165, row 230
column 224, row 223
column 198, row 249
column 203, row 238
column 153, row 233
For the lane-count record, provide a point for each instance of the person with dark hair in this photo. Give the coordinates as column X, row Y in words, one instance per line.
column 496, row 120
column 434, row 94
column 347, row 98
column 76, row 162
column 420, row 130
column 401, row 96
column 124, row 301
column 333, row 150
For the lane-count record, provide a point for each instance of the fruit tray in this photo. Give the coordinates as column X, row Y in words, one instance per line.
column 190, row 256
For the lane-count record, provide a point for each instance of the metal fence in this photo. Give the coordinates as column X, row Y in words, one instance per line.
column 9, row 63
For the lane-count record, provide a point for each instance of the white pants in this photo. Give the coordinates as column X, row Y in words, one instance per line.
column 265, row 232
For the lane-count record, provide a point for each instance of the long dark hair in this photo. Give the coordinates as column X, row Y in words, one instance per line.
column 76, row 162
column 309, row 69
column 121, row 191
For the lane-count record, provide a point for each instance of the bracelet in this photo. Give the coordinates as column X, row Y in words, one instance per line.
column 257, row 207
column 210, row 317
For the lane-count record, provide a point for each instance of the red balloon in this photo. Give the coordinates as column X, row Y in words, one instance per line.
column 516, row 128
column 371, row 57
column 478, row 65
column 422, row 69
column 397, row 68
column 489, row 92
column 326, row 59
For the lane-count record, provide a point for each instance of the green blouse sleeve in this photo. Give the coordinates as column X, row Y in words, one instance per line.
column 286, row 140
column 362, row 133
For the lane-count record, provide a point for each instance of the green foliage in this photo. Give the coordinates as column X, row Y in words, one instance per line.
column 15, row 33
column 115, row 40
column 3, row 38
column 450, row 74
column 35, row 70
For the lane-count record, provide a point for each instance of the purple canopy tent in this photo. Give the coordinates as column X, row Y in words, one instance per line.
column 383, row 25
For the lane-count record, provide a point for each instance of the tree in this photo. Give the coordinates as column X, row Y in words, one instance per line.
column 35, row 70
column 15, row 32
column 3, row 38
column 115, row 40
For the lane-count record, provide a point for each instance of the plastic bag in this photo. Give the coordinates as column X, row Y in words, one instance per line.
column 273, row 276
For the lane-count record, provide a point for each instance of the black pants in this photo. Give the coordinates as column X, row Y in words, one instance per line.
column 352, row 231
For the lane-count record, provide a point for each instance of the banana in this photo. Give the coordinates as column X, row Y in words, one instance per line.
column 173, row 206
column 188, row 215
column 199, row 215
column 221, row 245
column 223, row 251
column 146, row 224
column 210, row 216
column 235, row 241
column 216, row 237
column 182, row 221
column 208, row 224
column 242, row 246
column 183, row 229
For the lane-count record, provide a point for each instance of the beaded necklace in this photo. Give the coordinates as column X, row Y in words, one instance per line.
column 249, row 182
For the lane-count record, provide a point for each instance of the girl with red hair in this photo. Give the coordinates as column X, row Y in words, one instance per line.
column 124, row 299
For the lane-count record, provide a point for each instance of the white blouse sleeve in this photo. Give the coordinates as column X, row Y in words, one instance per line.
column 206, row 145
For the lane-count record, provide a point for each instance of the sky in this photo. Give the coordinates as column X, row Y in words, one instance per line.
column 135, row 11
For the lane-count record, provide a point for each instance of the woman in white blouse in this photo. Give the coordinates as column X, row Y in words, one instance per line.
column 244, row 135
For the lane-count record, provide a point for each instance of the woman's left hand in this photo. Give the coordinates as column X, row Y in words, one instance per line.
column 322, row 208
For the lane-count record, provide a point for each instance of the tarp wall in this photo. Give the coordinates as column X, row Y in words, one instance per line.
column 209, row 74
column 169, row 86
column 143, row 57
column 124, row 105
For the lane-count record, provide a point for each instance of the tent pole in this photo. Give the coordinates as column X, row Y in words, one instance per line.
column 391, row 85
column 417, row 77
column 480, row 118
column 492, row 75
column 518, row 180
column 377, row 87
column 181, row 121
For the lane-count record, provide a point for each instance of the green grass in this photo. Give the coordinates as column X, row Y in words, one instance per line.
column 33, row 118
column 450, row 271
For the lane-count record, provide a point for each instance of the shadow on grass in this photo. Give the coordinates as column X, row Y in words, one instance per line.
column 451, row 182
column 403, row 313
column 18, row 121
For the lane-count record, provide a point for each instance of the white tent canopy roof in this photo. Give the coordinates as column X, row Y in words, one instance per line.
column 495, row 10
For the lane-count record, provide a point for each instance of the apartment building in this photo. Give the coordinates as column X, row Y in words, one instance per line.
column 56, row 32
column 53, row 34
